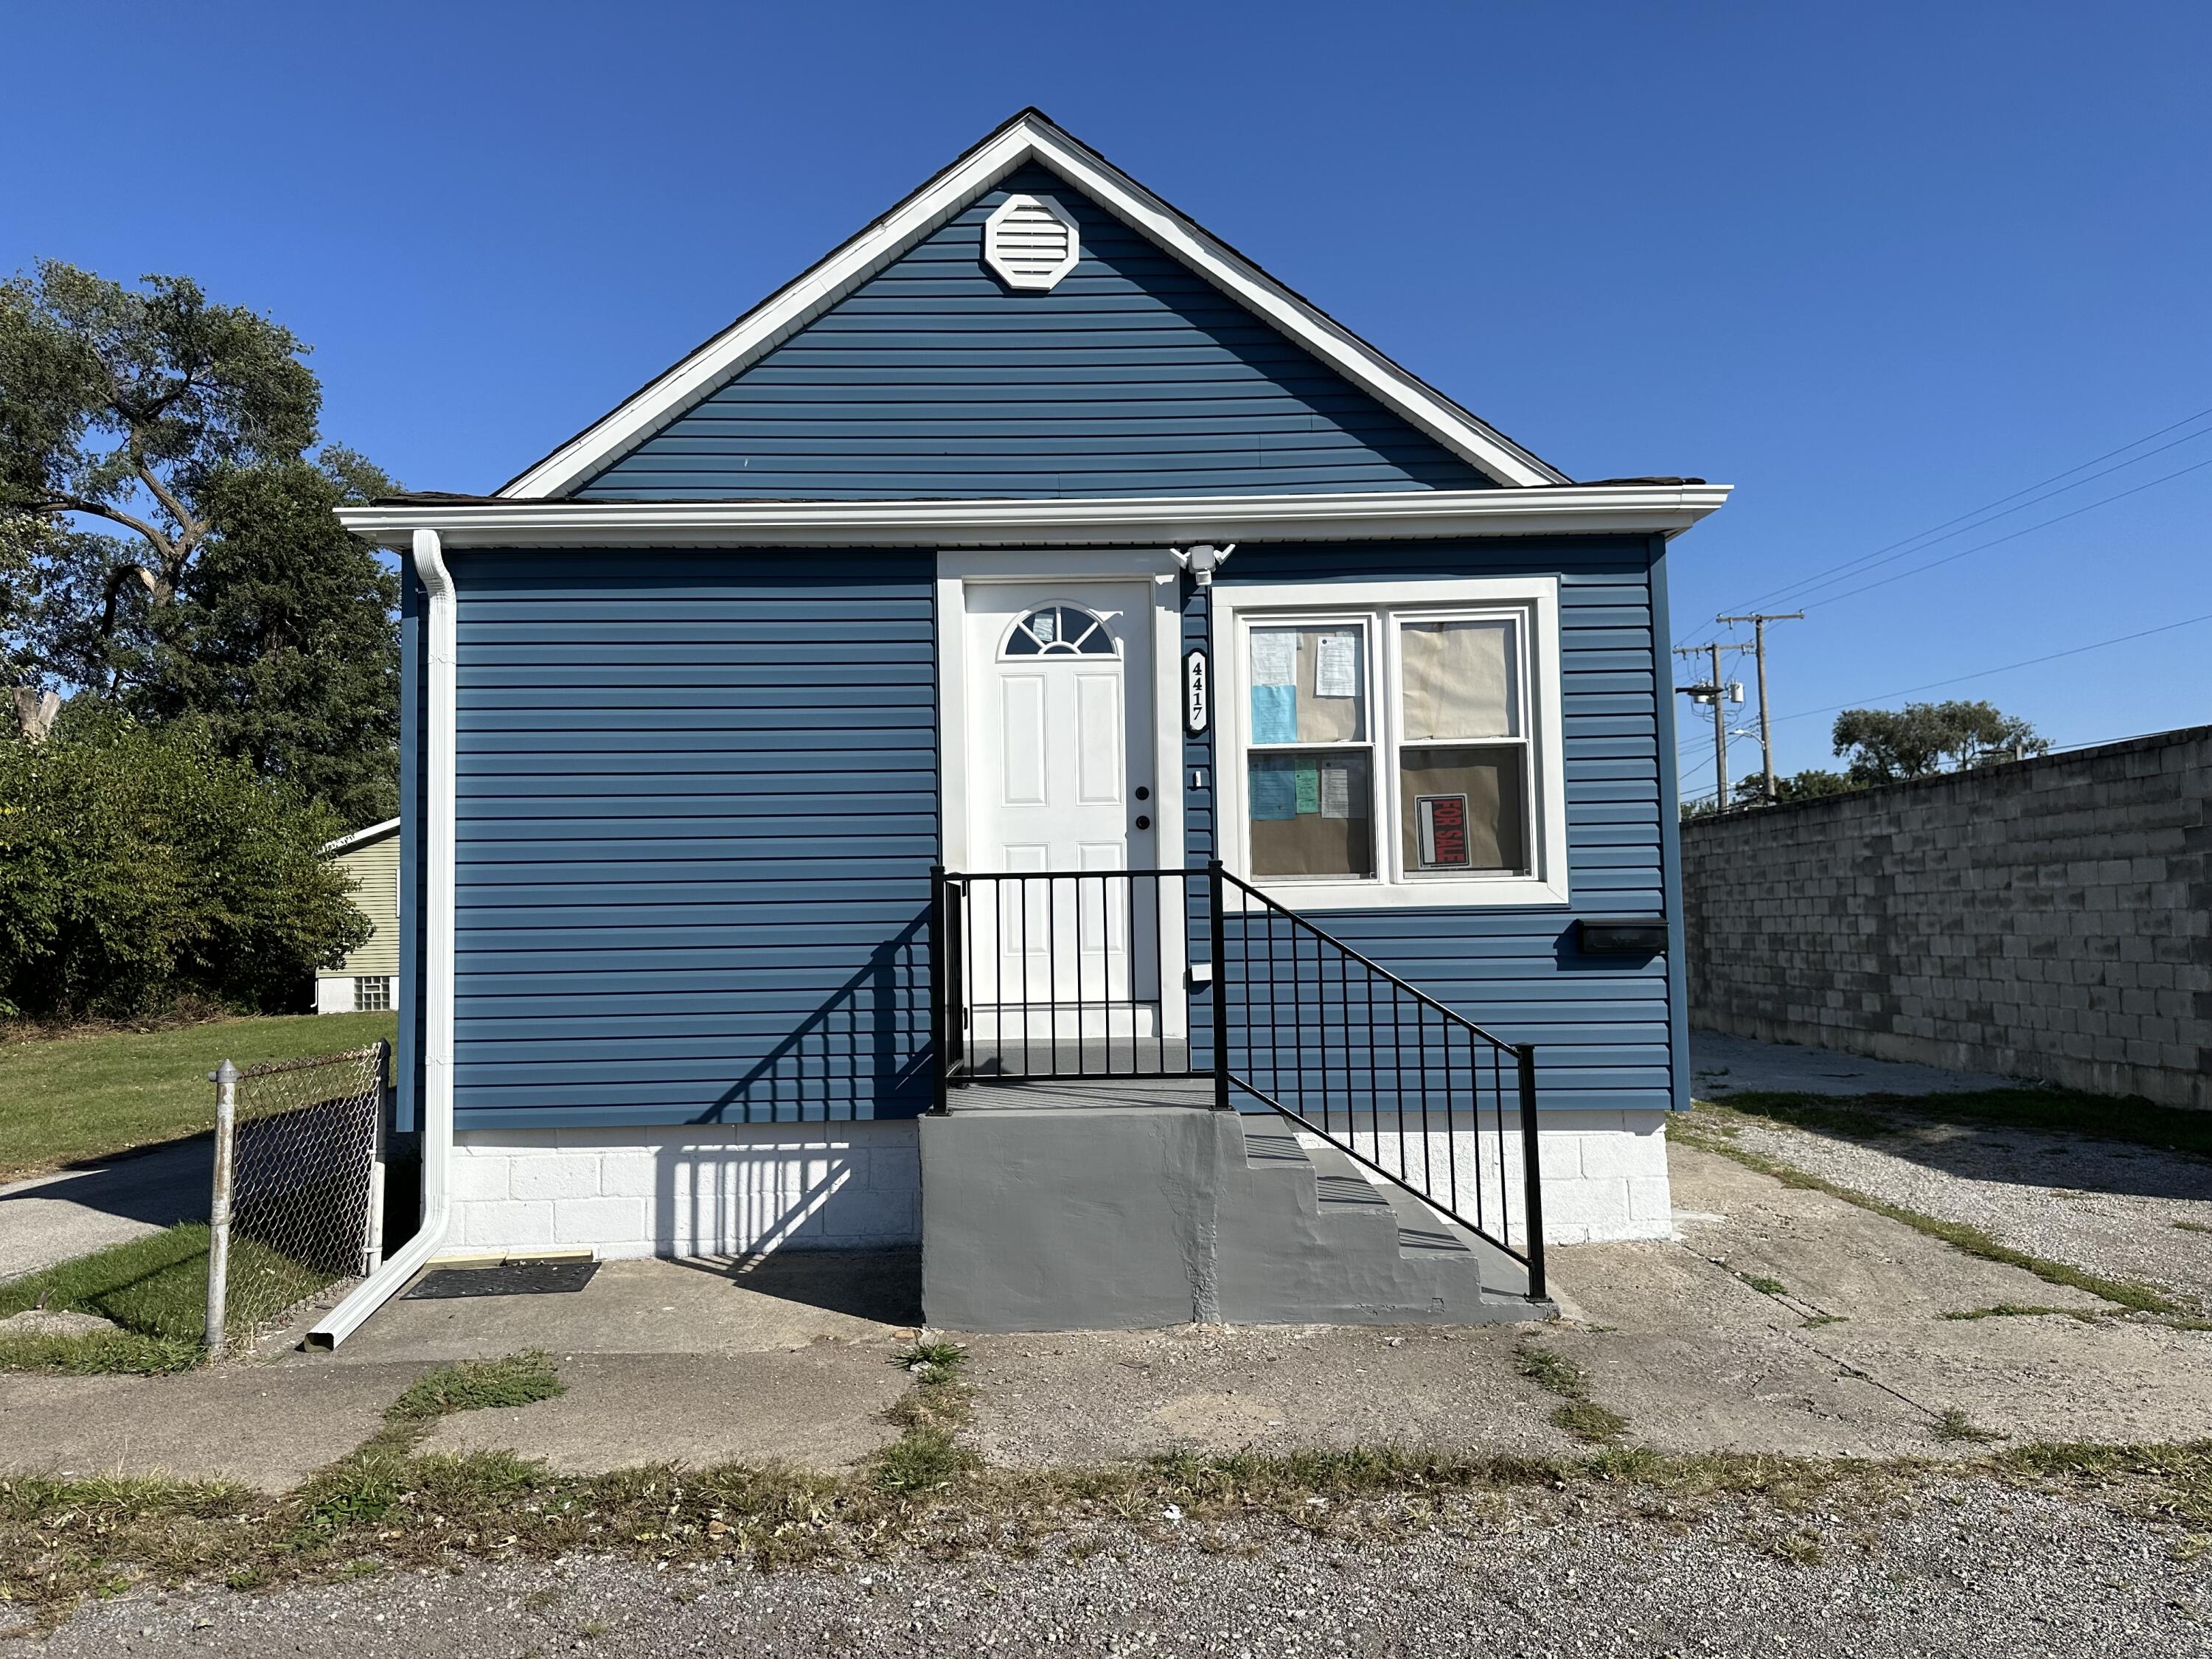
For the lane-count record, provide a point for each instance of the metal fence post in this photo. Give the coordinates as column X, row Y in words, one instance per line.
column 225, row 1079
column 1218, row 928
column 940, row 1062
column 1532, row 1171
column 372, row 1249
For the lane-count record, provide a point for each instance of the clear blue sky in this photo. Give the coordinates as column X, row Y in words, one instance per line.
column 1874, row 265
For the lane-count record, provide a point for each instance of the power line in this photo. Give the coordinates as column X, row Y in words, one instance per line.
column 1983, row 673
column 2010, row 535
column 1868, row 560
column 1853, row 565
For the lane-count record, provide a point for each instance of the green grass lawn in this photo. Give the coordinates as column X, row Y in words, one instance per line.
column 155, row 1288
column 70, row 1097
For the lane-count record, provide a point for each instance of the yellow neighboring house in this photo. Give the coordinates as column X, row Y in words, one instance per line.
column 369, row 978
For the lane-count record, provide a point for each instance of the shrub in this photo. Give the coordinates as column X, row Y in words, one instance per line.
column 139, row 868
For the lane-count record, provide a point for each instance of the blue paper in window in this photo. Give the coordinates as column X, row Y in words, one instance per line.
column 1274, row 789
column 1274, row 713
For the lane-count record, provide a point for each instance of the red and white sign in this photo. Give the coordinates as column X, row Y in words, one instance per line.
column 1440, row 831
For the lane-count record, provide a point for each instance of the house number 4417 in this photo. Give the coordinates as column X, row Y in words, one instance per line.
column 1194, row 692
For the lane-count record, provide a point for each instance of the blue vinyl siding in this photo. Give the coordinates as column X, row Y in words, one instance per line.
column 697, row 806
column 1135, row 376
column 1607, row 1030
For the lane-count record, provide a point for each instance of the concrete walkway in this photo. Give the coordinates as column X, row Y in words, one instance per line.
column 55, row 1218
column 785, row 1360
column 1781, row 1321
column 1721, row 1065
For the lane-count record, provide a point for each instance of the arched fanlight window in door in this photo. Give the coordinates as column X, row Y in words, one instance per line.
column 1059, row 630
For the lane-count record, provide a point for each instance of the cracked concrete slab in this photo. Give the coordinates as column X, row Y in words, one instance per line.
column 265, row 1426
column 1754, row 1389
column 1106, row 1395
column 2047, row 1378
column 821, row 1407
column 1853, row 1356
column 1837, row 1258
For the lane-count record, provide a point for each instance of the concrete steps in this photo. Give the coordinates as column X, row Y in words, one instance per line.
column 1130, row 1203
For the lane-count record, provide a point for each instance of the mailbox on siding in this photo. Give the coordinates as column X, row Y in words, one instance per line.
column 1621, row 936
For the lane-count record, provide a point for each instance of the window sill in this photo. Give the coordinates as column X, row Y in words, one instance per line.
column 1518, row 892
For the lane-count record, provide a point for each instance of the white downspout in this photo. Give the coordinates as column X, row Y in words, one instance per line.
column 439, row 720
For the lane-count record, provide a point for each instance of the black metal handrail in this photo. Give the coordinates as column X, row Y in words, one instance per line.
column 1081, row 974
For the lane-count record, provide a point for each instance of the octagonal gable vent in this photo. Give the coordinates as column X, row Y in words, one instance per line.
column 1031, row 243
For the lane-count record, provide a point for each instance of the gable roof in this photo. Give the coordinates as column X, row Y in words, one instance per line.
column 1029, row 137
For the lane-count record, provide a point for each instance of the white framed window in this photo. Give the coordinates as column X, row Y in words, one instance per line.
column 1392, row 742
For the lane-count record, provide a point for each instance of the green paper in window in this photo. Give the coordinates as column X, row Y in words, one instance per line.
column 1309, row 790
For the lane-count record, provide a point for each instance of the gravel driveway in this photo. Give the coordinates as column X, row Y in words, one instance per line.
column 1953, row 1568
column 2124, row 1212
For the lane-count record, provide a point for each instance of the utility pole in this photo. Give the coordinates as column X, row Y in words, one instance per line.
column 1759, row 621
column 1719, row 693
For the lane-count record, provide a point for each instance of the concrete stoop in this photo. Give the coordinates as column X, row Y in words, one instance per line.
column 1126, row 1205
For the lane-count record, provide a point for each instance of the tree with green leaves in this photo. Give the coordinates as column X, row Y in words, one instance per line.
column 177, row 553
column 1887, row 744
column 1810, row 784
column 141, row 869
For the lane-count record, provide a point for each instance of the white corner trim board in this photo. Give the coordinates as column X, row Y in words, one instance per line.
column 441, row 636
column 1027, row 137
column 1148, row 521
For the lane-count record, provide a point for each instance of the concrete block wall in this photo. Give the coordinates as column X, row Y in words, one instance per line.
column 2048, row 919
column 692, row 1190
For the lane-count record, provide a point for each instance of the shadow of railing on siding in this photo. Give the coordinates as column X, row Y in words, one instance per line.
column 863, row 1054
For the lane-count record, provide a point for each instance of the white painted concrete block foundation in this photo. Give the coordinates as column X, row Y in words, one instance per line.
column 334, row 994
column 694, row 1190
column 688, row 1190
column 1604, row 1174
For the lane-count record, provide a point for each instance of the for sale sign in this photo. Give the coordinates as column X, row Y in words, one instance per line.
column 1440, row 831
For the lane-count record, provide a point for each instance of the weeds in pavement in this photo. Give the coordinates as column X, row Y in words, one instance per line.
column 1955, row 1425
column 931, row 1360
column 1590, row 1423
column 1694, row 1131
column 928, row 1456
column 518, row 1379
column 1580, row 1416
column 2193, row 1226
column 99, row 1353
column 2015, row 1310
column 1765, row 1286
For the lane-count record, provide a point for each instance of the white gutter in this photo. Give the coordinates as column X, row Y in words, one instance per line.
column 344, row 843
column 436, row 991
column 1148, row 521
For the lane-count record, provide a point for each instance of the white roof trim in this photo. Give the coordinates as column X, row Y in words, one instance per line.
column 1574, row 509
column 347, row 843
column 1028, row 136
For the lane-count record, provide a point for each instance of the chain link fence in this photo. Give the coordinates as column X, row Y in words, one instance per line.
column 298, row 1197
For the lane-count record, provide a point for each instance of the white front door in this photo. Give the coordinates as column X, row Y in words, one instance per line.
column 1060, row 746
